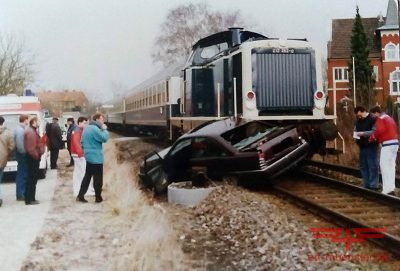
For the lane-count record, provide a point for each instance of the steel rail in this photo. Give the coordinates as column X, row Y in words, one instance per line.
column 353, row 171
column 389, row 242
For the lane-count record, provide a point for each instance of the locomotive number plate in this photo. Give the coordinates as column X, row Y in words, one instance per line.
column 283, row 51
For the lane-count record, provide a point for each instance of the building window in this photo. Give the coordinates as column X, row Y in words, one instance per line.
column 341, row 74
column 375, row 73
column 390, row 52
column 395, row 82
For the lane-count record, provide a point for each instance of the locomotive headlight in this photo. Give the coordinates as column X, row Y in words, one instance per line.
column 250, row 101
column 319, row 99
column 250, row 95
column 319, row 95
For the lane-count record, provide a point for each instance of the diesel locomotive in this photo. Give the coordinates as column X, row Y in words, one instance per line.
column 234, row 73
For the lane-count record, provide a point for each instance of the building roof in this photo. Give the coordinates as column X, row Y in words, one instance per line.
column 63, row 96
column 392, row 17
column 58, row 101
column 340, row 44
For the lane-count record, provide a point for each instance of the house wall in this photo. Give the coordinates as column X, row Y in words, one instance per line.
column 343, row 88
column 390, row 36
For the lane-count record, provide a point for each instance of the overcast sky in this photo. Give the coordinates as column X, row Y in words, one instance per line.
column 88, row 44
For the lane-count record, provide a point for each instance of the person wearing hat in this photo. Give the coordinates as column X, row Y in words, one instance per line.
column 54, row 141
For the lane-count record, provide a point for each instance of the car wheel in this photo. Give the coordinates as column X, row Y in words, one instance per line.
column 160, row 188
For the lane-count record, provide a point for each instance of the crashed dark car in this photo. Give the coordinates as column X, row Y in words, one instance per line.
column 225, row 148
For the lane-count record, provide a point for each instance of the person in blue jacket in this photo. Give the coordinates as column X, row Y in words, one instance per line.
column 93, row 137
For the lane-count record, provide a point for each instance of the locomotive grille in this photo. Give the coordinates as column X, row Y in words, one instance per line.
column 284, row 82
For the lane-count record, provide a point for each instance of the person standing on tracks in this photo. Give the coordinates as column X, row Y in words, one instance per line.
column 93, row 137
column 79, row 159
column 55, row 142
column 386, row 134
column 22, row 168
column 363, row 129
column 71, row 127
column 7, row 145
column 34, row 149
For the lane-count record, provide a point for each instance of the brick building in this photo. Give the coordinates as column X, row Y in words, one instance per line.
column 58, row 102
column 383, row 38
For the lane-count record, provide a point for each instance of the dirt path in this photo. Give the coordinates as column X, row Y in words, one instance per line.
column 124, row 232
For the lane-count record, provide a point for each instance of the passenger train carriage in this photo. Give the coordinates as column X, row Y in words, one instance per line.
column 233, row 73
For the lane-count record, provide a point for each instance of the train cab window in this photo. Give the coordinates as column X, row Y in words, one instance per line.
column 204, row 54
column 210, row 51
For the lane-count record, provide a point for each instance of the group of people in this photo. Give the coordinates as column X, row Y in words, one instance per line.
column 28, row 148
column 84, row 144
column 372, row 129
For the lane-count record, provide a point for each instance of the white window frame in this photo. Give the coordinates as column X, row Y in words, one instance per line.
column 343, row 73
column 391, row 52
column 397, row 82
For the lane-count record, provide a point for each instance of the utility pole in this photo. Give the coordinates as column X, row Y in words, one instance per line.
column 354, row 81
column 398, row 22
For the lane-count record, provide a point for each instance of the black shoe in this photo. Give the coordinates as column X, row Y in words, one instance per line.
column 391, row 193
column 20, row 198
column 33, row 202
column 81, row 199
column 99, row 199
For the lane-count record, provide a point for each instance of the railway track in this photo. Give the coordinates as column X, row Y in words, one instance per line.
column 353, row 171
column 347, row 205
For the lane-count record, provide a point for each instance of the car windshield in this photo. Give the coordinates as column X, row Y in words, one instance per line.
column 251, row 139
column 246, row 135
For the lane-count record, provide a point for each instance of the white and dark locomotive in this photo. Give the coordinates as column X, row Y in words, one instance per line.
column 234, row 73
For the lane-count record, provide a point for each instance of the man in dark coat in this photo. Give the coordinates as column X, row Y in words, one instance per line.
column 54, row 140
column 34, row 150
column 71, row 127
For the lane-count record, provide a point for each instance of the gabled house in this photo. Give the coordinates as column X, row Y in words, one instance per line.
column 384, row 56
column 57, row 102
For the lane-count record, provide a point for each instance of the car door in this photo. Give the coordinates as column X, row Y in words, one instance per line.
column 209, row 154
column 177, row 161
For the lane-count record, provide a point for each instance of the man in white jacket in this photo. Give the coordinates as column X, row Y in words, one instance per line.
column 79, row 159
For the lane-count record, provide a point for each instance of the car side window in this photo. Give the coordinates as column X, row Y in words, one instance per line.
column 184, row 144
column 204, row 147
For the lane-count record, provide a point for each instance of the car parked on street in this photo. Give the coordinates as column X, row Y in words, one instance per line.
column 226, row 147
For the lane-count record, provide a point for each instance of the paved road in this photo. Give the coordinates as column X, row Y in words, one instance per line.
column 19, row 223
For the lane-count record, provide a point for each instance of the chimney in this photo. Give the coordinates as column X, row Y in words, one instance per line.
column 235, row 35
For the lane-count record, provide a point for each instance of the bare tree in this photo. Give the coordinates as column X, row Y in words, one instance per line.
column 185, row 25
column 15, row 68
column 118, row 89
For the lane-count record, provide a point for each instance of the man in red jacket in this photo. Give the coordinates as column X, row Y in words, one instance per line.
column 386, row 134
column 79, row 159
column 34, row 149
